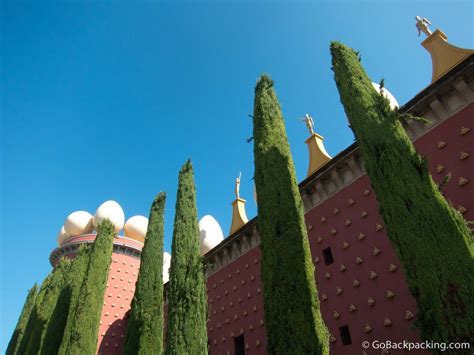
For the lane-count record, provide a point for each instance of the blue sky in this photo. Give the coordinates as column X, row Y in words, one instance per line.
column 106, row 100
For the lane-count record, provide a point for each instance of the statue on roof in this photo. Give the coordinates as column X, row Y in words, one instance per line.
column 237, row 186
column 309, row 123
column 422, row 24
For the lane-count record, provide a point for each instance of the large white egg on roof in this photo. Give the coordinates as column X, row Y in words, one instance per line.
column 136, row 227
column 393, row 101
column 77, row 223
column 166, row 266
column 110, row 210
column 210, row 233
column 62, row 236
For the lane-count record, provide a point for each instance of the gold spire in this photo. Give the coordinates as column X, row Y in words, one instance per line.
column 317, row 153
column 239, row 217
column 444, row 56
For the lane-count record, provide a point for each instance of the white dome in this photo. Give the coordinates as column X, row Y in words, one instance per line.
column 166, row 266
column 210, row 233
column 110, row 210
column 136, row 228
column 62, row 236
column 77, row 223
column 393, row 101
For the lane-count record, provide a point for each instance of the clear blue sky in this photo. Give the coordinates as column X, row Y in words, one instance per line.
column 106, row 100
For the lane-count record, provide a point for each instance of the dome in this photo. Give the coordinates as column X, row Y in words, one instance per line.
column 136, row 227
column 112, row 211
column 77, row 223
column 166, row 266
column 210, row 233
column 62, row 236
column 393, row 101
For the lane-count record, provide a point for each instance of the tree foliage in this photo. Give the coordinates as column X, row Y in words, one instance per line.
column 86, row 317
column 74, row 282
column 187, row 333
column 34, row 339
column 145, row 325
column 17, row 336
column 430, row 237
column 292, row 316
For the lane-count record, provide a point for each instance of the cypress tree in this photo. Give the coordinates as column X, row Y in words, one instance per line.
column 292, row 315
column 74, row 280
column 47, row 299
column 431, row 239
column 187, row 333
column 30, row 326
column 15, row 340
column 145, row 324
column 86, row 317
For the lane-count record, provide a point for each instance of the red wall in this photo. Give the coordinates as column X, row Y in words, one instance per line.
column 117, row 299
column 236, row 306
column 226, row 302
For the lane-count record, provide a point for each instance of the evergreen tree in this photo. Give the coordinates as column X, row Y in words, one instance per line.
column 431, row 239
column 47, row 299
column 15, row 340
column 30, row 325
column 145, row 324
column 292, row 315
column 63, row 324
column 187, row 333
column 86, row 317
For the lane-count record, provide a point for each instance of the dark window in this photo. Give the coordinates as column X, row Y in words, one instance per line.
column 345, row 335
column 239, row 345
column 327, row 253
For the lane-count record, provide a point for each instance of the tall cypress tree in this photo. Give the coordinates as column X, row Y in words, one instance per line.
column 187, row 333
column 75, row 278
column 145, row 325
column 30, row 325
column 86, row 317
column 17, row 336
column 45, row 306
column 292, row 315
column 431, row 238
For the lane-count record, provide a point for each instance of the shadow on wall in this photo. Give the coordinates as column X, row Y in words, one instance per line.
column 112, row 341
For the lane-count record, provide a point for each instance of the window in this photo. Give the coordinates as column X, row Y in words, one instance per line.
column 345, row 335
column 328, row 259
column 239, row 345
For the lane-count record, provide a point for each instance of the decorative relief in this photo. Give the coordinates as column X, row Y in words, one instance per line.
column 409, row 315
column 463, row 181
column 441, row 144
column 464, row 130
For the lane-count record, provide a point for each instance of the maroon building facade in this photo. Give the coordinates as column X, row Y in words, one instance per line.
column 362, row 289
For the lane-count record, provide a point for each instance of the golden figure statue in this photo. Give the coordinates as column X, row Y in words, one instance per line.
column 237, row 186
column 422, row 24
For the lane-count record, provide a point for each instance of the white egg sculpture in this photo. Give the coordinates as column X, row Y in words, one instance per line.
column 393, row 101
column 62, row 236
column 166, row 266
column 77, row 223
column 210, row 233
column 110, row 210
column 136, row 227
